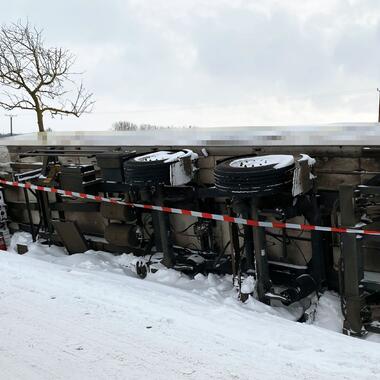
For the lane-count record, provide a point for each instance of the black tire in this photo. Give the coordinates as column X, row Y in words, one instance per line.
column 141, row 173
column 261, row 180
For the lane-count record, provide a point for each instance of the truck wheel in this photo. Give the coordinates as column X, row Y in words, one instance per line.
column 259, row 175
column 153, row 168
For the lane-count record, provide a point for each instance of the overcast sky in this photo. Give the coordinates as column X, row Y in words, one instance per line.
column 214, row 62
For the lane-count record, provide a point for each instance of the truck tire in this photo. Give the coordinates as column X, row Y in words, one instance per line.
column 152, row 168
column 258, row 175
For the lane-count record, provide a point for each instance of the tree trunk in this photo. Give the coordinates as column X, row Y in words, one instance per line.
column 40, row 120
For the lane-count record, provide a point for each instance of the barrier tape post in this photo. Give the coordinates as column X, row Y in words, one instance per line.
column 197, row 214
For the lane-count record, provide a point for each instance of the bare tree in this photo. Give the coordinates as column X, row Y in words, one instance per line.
column 38, row 78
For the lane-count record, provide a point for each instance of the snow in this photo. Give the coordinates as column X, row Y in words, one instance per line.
column 87, row 316
column 167, row 156
column 329, row 313
column 310, row 161
column 204, row 152
column 179, row 175
column 278, row 160
column 248, row 285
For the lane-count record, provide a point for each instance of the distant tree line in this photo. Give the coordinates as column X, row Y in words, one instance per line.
column 128, row 126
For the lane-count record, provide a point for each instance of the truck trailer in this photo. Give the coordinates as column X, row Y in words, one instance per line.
column 288, row 211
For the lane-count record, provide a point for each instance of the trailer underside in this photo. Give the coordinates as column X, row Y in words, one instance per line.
column 222, row 176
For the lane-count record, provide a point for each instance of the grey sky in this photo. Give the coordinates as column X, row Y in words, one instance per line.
column 215, row 62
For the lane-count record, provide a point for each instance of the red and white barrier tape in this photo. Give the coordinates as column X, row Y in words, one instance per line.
column 197, row 214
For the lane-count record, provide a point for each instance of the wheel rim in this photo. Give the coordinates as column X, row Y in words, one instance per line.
column 278, row 161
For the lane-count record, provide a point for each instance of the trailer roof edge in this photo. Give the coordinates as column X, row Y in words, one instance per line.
column 339, row 134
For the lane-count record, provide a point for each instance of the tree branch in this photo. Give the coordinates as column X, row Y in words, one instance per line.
column 42, row 73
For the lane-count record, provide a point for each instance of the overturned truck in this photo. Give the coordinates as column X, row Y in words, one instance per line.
column 207, row 184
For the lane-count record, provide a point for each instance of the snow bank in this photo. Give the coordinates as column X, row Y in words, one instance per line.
column 210, row 287
column 86, row 316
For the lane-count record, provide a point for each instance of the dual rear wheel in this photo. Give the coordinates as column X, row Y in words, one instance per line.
column 258, row 175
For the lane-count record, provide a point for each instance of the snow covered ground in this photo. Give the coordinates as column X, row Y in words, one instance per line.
column 86, row 316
